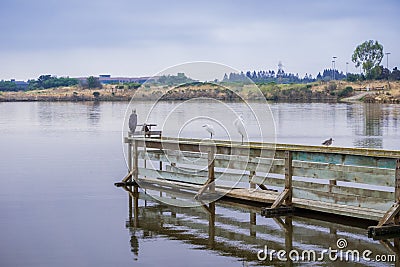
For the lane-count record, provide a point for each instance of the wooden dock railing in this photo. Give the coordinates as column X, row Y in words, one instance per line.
column 360, row 183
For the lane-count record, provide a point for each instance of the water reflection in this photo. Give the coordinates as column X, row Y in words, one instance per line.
column 94, row 113
column 237, row 230
column 370, row 122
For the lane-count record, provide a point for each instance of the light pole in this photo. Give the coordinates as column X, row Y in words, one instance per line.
column 333, row 63
column 347, row 64
column 387, row 59
column 387, row 66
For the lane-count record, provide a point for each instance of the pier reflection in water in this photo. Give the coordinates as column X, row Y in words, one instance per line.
column 237, row 230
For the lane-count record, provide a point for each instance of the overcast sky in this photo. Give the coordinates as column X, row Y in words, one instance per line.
column 140, row 38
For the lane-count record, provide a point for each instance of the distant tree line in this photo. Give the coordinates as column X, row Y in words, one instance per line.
column 178, row 79
column 378, row 73
column 48, row 81
column 267, row 77
column 330, row 74
column 11, row 86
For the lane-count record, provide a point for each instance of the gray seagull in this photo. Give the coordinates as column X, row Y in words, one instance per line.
column 328, row 142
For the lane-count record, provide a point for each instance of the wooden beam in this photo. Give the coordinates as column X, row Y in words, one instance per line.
column 263, row 187
column 276, row 212
column 390, row 214
column 384, row 232
column 128, row 177
column 210, row 183
column 282, row 197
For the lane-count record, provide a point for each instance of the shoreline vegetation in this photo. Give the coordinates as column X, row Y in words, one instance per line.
column 320, row 91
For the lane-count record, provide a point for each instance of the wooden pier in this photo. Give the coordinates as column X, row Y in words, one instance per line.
column 353, row 182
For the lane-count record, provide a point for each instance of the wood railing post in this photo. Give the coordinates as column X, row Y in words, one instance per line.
column 252, row 174
column 130, row 159
column 135, row 161
column 288, row 176
column 332, row 183
column 211, row 164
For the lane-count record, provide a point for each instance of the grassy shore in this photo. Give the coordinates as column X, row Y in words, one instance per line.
column 317, row 91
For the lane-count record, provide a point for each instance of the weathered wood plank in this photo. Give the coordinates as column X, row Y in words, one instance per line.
column 348, row 200
column 316, row 205
column 372, row 176
column 172, row 176
column 193, row 177
column 344, row 159
column 345, row 190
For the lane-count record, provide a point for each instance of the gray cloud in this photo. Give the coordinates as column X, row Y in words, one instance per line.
column 252, row 35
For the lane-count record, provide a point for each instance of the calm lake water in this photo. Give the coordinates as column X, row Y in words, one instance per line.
column 58, row 205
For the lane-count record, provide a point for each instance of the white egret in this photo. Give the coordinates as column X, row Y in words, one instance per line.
column 239, row 124
column 328, row 142
column 133, row 121
column 209, row 128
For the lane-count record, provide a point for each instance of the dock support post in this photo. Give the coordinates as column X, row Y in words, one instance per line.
column 211, row 225
column 161, row 152
column 289, row 238
column 252, row 174
column 253, row 223
column 286, row 195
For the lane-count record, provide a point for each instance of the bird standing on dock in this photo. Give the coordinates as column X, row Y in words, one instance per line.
column 239, row 124
column 209, row 128
column 133, row 121
column 146, row 130
column 328, row 142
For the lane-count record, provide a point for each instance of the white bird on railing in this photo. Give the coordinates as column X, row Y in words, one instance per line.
column 209, row 128
column 239, row 124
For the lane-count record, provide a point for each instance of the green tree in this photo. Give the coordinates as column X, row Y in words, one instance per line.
column 369, row 55
column 93, row 82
